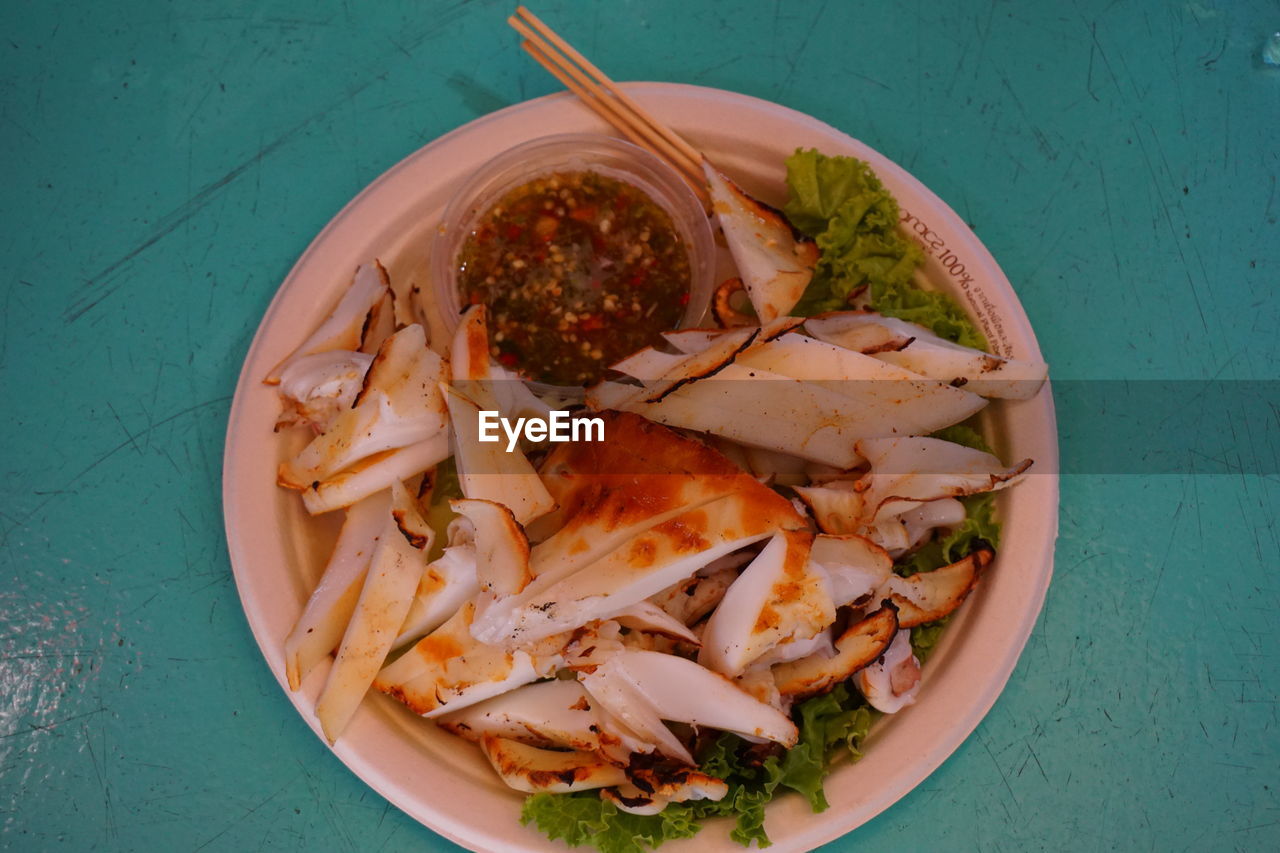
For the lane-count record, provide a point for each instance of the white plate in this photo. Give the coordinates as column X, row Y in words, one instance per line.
column 277, row 552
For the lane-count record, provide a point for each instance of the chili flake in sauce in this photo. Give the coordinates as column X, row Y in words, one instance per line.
column 578, row 270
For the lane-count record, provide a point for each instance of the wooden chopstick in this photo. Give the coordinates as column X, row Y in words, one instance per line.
column 609, row 108
column 687, row 151
column 582, row 92
column 603, row 96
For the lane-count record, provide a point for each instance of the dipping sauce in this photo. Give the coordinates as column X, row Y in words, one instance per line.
column 578, row 270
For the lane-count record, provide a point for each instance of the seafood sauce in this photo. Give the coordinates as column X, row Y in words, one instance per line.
column 578, row 270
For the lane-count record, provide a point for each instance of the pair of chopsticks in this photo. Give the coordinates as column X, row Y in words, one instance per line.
column 603, row 96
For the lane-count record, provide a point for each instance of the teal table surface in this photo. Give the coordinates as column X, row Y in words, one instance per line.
column 164, row 164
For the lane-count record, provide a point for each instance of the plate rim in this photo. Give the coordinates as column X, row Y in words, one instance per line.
column 823, row 828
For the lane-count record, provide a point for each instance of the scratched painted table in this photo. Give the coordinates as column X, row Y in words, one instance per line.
column 164, row 164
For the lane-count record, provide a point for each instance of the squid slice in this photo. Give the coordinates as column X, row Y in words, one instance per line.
column 774, row 263
column 758, row 408
column 551, row 713
column 399, row 405
column 836, row 508
column 652, row 619
column 689, row 368
column 533, row 770
column 929, row 596
column 681, row 690
column 678, row 783
column 777, row 598
column 375, row 473
column 642, row 475
column 449, row 669
column 889, row 400
column 652, row 788
column 393, row 574
column 907, row 472
column 690, row 341
column 860, row 644
column 782, row 391
column 642, row 566
column 893, row 680
column 862, row 331
column 324, row 619
column 757, row 681
column 819, row 643
column 344, row 328
column 648, row 364
column 381, row 323
column 502, row 551
column 692, row 598
column 943, row 513
column 447, row 583
column 316, row 388
column 855, row 565
column 917, row 349
column 480, row 378
column 630, row 799
column 901, row 534
column 644, row 688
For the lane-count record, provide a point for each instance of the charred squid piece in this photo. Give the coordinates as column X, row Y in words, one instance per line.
column 324, row 619
column 692, row 598
column 486, row 471
column 673, row 781
column 778, row 598
column 859, row 645
column 398, row 405
column 907, row 472
column 644, row 688
column 534, row 770
column 449, row 669
column 729, row 304
column 928, row 596
column 548, row 714
column 502, row 551
column 776, row 263
column 856, row 566
column 394, row 570
column 344, row 328
column 316, row 388
column 919, row 350
column 893, row 680
column 446, row 584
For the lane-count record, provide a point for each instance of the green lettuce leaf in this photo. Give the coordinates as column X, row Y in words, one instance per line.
column 979, row 525
column 751, row 786
column 830, row 726
column 820, row 185
column 965, row 435
column 444, row 487
column 841, row 203
column 585, row 819
column 925, row 637
column 937, row 312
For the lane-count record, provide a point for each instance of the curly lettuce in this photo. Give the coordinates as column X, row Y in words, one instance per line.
column 437, row 514
column 841, row 203
column 830, row 726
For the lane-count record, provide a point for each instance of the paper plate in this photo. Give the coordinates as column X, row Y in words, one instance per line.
column 277, row 551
